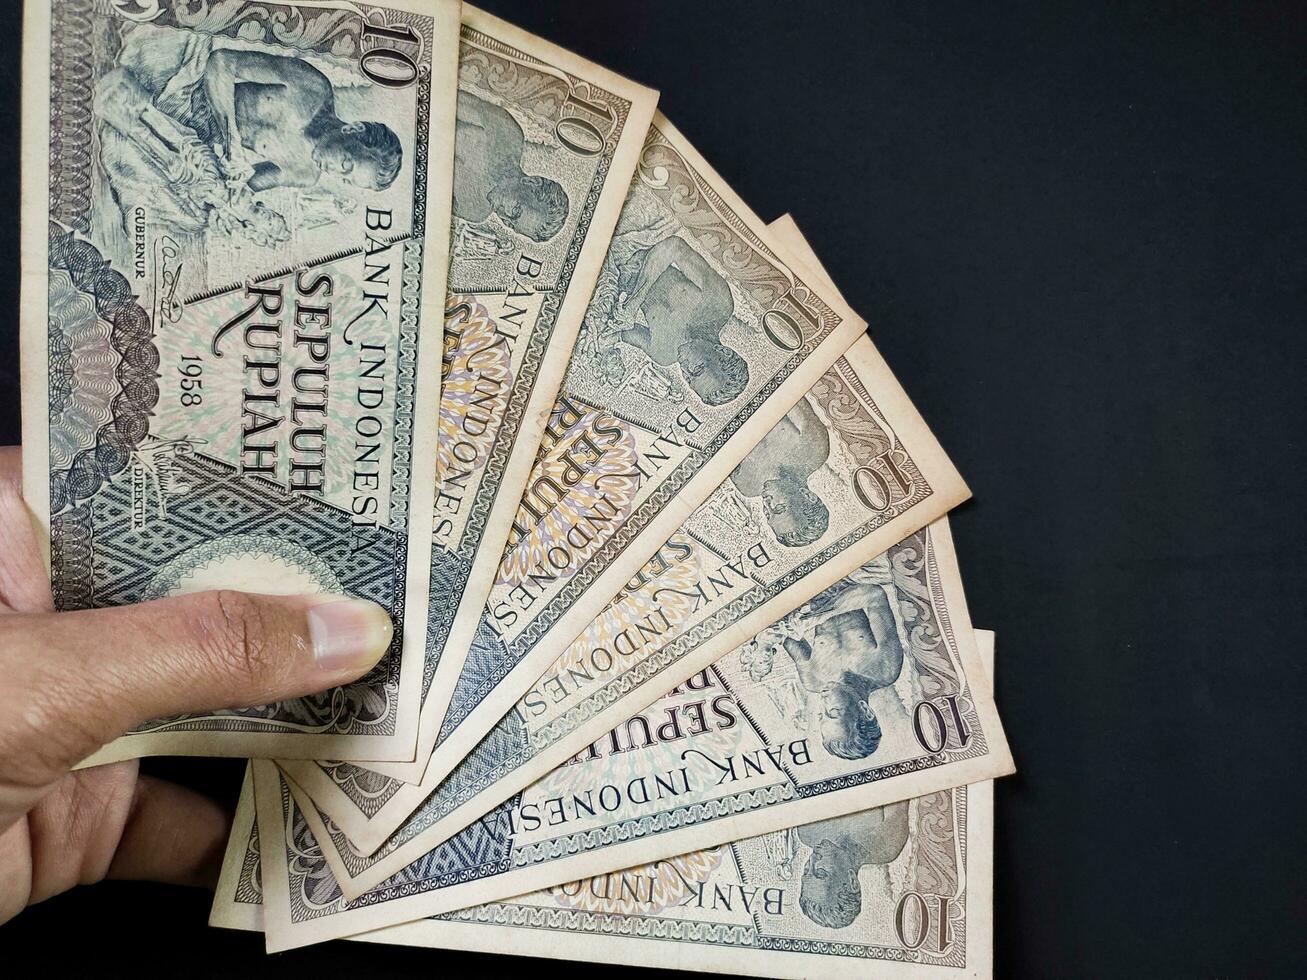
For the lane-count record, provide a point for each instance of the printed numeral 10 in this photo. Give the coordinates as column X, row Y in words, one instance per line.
column 385, row 65
column 932, row 725
column 922, row 909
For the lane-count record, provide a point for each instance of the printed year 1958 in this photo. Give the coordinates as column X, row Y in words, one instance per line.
column 191, row 382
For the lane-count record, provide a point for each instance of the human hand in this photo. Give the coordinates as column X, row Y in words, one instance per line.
column 71, row 682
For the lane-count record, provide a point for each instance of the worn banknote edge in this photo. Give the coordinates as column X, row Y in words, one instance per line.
column 505, row 939
column 34, row 365
column 553, row 367
column 34, row 246
column 995, row 762
column 369, row 833
column 646, row 543
column 374, row 834
column 229, row 911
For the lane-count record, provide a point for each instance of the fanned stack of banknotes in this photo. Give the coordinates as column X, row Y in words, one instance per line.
column 398, row 301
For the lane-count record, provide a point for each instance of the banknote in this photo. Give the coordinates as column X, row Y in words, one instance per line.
column 861, row 446
column 700, row 335
column 236, row 230
column 906, row 889
column 736, row 566
column 867, row 694
column 544, row 148
column 636, row 441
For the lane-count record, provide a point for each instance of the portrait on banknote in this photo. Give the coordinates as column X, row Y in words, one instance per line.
column 831, row 891
column 666, row 323
column 673, row 305
column 839, row 658
column 240, row 218
column 776, row 475
column 226, row 141
column 488, row 175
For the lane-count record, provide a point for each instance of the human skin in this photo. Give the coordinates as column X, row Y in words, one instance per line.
column 72, row 682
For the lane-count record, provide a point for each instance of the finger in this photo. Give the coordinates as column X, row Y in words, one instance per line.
column 83, row 678
column 68, row 837
column 173, row 835
column 106, row 822
column 24, row 580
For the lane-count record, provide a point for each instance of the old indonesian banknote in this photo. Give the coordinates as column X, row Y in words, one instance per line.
column 732, row 569
column 701, row 334
column 544, row 148
column 236, row 232
column 356, row 872
column 905, row 889
column 638, row 437
column 633, row 444
column 542, row 729
column 763, row 739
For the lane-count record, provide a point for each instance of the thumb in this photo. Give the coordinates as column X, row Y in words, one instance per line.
column 84, row 678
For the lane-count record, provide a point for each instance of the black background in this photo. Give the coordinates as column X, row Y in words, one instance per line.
column 1077, row 231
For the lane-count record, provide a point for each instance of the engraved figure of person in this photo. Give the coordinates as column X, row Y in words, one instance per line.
column 488, row 174
column 673, row 306
column 283, row 111
column 854, row 651
column 830, row 893
column 777, row 470
column 278, row 112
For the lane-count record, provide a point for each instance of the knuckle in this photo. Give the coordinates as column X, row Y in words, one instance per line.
column 235, row 635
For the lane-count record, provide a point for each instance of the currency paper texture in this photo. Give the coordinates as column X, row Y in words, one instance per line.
column 635, row 445
column 812, row 464
column 235, row 233
column 906, row 889
column 867, row 694
column 544, row 150
column 731, row 571
column 698, row 339
column 351, row 869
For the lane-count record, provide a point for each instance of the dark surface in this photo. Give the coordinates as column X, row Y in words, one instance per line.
column 1078, row 235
